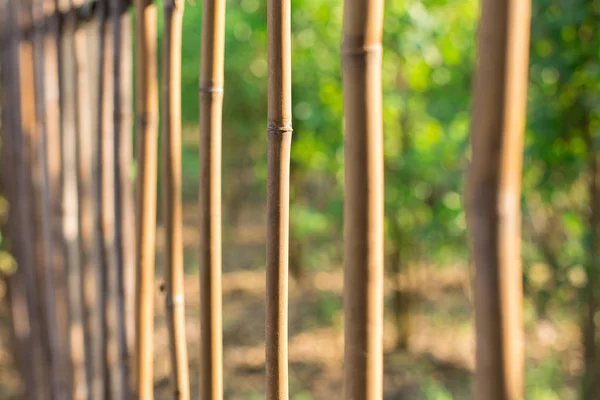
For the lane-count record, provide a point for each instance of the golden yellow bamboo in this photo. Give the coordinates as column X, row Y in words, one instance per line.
column 211, row 103
column 147, row 115
column 279, row 139
column 171, row 151
column 493, row 197
column 363, row 196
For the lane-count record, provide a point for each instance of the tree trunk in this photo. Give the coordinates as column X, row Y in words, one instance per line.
column 493, row 204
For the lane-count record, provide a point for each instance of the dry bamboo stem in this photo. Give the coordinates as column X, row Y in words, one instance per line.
column 88, row 251
column 171, row 133
column 43, row 51
column 494, row 188
column 17, row 283
column 146, row 136
column 54, row 123
column 279, row 139
column 121, row 158
column 101, row 208
column 27, row 236
column 211, row 106
column 363, row 208
column 125, row 154
column 68, row 98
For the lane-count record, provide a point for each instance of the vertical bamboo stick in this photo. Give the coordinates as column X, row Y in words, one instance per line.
column 493, row 191
column 279, row 140
column 85, row 148
column 101, row 207
column 363, row 195
column 146, row 136
column 171, row 134
column 211, row 105
column 68, row 98
column 9, row 127
column 121, row 157
column 45, row 126
column 54, row 168
column 27, row 238
column 125, row 154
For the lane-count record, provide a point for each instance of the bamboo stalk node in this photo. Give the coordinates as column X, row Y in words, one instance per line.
column 211, row 89
column 357, row 47
column 173, row 301
column 145, row 119
column 279, row 127
column 173, row 5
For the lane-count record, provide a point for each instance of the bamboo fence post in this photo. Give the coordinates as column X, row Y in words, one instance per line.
column 279, row 139
column 146, row 136
column 43, row 187
column 17, row 284
column 211, row 106
column 85, row 148
column 54, row 174
column 25, row 101
column 125, row 153
column 68, row 100
column 363, row 195
column 493, row 196
column 102, row 206
column 171, row 134
column 121, row 157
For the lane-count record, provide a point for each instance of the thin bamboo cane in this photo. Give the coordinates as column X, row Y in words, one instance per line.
column 211, row 105
column 45, row 119
column 171, row 134
column 122, row 135
column 68, row 98
column 146, row 136
column 279, row 139
column 493, row 196
column 101, row 213
column 23, row 138
column 9, row 127
column 54, row 121
column 85, row 148
column 363, row 195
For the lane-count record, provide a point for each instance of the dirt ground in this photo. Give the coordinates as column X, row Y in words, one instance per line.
column 438, row 365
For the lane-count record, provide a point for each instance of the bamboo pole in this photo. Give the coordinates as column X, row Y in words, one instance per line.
column 102, row 208
column 146, row 136
column 171, row 134
column 121, row 157
column 54, row 167
column 363, row 195
column 23, row 336
column 68, row 98
column 279, row 139
column 25, row 97
column 211, row 106
column 85, row 149
column 46, row 118
column 127, row 207
column 493, row 197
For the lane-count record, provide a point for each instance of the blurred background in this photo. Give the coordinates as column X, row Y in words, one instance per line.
column 427, row 73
